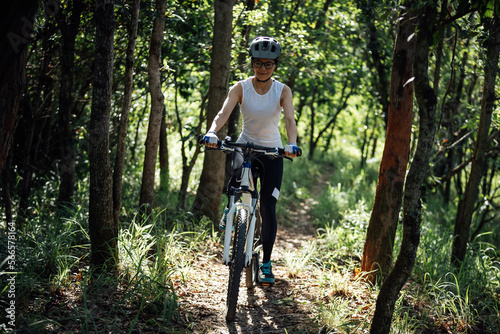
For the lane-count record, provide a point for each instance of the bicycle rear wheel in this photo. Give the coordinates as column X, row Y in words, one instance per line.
column 237, row 264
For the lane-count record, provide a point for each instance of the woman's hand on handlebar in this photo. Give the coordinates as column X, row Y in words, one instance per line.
column 211, row 139
column 292, row 151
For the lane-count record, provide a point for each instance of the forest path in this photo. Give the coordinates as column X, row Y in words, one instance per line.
column 285, row 307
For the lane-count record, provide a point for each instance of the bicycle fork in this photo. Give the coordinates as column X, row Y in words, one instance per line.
column 249, row 198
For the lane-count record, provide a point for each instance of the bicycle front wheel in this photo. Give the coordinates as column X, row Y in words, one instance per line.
column 237, row 263
column 252, row 271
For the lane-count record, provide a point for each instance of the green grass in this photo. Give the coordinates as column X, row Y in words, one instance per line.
column 295, row 262
column 55, row 253
column 437, row 297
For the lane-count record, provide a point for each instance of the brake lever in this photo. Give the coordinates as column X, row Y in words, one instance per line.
column 200, row 139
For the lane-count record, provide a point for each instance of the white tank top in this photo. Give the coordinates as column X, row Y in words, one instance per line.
column 261, row 114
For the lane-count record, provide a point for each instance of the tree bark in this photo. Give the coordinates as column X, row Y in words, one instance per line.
column 479, row 160
column 27, row 128
column 426, row 99
column 375, row 54
column 234, row 120
column 157, row 106
column 164, row 166
column 6, row 182
column 208, row 197
column 124, row 119
column 377, row 253
column 67, row 154
column 103, row 230
column 34, row 122
column 16, row 33
column 137, row 128
column 312, row 143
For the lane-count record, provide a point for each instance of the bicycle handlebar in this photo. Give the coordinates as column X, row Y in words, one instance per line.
column 226, row 145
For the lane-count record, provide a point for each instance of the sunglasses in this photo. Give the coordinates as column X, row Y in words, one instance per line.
column 267, row 65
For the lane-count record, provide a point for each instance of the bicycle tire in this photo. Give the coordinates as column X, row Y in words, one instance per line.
column 252, row 271
column 237, row 264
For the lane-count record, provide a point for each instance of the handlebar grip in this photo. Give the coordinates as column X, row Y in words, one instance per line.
column 201, row 141
column 281, row 152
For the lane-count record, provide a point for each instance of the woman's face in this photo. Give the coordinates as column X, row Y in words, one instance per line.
column 263, row 68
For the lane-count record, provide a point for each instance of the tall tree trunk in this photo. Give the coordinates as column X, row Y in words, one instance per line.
column 157, row 106
column 479, row 161
column 44, row 100
column 312, row 143
column 103, row 230
column 27, row 127
column 377, row 253
column 375, row 54
column 133, row 148
column 35, row 111
column 234, row 119
column 18, row 30
column 232, row 126
column 208, row 197
column 124, row 119
column 6, row 182
column 426, row 98
column 164, row 166
column 69, row 30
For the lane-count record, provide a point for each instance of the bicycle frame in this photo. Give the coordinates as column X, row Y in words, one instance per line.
column 249, row 199
column 249, row 195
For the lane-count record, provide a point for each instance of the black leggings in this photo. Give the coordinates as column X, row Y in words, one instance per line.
column 270, row 172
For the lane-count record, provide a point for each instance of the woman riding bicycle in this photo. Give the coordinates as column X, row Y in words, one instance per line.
column 261, row 99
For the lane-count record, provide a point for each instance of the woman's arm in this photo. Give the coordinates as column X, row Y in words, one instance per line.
column 234, row 96
column 289, row 112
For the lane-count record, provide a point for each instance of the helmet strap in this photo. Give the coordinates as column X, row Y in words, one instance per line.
column 263, row 80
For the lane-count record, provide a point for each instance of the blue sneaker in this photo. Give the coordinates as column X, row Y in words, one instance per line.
column 266, row 275
column 223, row 220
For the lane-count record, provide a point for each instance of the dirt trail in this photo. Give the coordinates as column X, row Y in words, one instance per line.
column 270, row 309
column 285, row 307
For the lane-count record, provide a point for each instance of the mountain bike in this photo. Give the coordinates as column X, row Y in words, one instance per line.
column 244, row 251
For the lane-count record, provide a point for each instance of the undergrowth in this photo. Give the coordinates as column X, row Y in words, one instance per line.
column 156, row 256
column 438, row 298
column 55, row 248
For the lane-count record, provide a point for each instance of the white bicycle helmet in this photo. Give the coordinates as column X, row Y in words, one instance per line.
column 265, row 47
